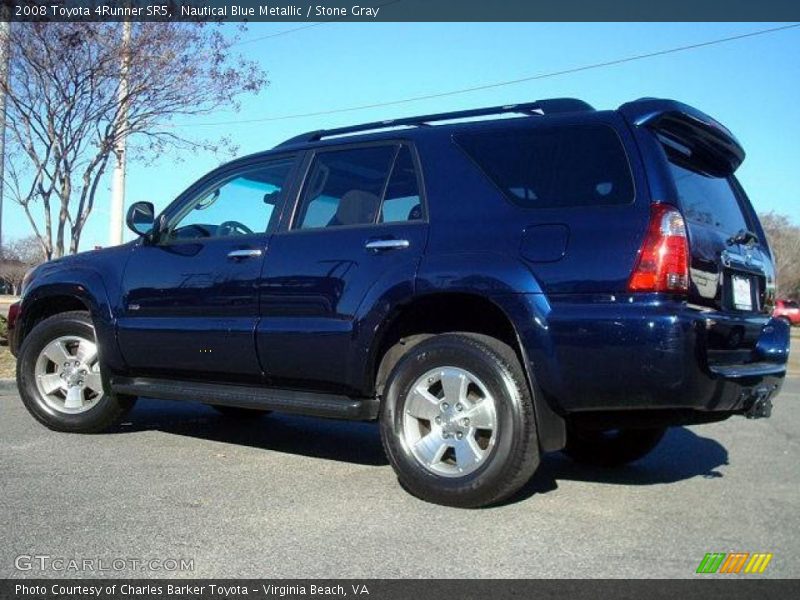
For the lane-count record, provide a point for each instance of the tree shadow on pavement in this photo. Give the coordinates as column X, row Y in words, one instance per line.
column 682, row 454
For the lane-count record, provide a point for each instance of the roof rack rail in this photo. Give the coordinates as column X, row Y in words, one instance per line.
column 545, row 107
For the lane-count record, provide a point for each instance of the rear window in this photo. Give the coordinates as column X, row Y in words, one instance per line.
column 707, row 200
column 554, row 167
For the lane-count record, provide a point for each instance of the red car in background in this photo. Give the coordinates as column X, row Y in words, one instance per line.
column 788, row 310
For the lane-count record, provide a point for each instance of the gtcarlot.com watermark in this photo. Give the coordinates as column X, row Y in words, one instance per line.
column 64, row 564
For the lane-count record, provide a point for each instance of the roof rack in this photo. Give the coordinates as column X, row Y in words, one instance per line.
column 544, row 107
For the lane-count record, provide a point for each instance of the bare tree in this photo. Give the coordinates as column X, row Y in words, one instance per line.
column 17, row 258
column 784, row 240
column 63, row 109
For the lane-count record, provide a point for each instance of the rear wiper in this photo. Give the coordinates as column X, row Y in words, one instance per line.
column 745, row 237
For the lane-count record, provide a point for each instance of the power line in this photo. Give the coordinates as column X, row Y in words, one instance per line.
column 279, row 33
column 303, row 27
column 487, row 86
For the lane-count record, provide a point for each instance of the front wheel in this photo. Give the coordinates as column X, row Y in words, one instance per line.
column 457, row 421
column 60, row 380
column 611, row 448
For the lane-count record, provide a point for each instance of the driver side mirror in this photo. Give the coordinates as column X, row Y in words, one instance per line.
column 141, row 218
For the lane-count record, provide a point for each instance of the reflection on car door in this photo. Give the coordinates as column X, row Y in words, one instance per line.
column 360, row 217
column 191, row 298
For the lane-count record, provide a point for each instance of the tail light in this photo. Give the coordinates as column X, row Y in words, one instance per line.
column 663, row 261
column 13, row 314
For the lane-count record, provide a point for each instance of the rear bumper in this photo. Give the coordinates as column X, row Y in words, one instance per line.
column 646, row 352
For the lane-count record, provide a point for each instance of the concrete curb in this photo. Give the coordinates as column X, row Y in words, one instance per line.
column 8, row 385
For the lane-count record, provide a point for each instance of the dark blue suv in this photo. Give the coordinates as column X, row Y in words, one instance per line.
column 545, row 277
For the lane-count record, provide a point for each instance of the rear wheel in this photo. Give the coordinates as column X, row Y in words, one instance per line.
column 457, row 421
column 611, row 448
column 60, row 379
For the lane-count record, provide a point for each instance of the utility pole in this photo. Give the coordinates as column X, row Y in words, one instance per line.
column 118, row 175
column 5, row 48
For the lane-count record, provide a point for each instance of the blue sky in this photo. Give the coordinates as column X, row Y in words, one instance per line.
column 751, row 85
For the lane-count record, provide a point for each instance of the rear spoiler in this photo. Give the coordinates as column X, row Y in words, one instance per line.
column 711, row 144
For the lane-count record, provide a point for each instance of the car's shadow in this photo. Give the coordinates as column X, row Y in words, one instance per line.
column 682, row 454
column 346, row 441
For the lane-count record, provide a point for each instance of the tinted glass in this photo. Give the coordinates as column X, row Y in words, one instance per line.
column 402, row 201
column 344, row 187
column 545, row 168
column 242, row 204
column 707, row 200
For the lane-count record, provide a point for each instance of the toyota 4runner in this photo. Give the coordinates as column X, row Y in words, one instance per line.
column 548, row 277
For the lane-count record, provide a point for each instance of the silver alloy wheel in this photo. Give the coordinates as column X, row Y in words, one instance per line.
column 449, row 421
column 68, row 375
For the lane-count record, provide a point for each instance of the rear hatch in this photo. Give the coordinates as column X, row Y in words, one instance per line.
column 730, row 262
column 731, row 267
column 731, row 272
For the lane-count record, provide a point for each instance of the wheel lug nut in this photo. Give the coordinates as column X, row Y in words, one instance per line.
column 438, row 420
column 445, row 435
column 66, row 364
column 431, row 380
column 459, row 435
column 465, row 421
column 459, row 406
column 445, row 406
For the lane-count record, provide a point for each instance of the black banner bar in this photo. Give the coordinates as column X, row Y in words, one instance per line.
column 400, row 10
column 702, row 587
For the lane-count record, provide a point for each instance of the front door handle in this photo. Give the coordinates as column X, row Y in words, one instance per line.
column 245, row 253
column 390, row 244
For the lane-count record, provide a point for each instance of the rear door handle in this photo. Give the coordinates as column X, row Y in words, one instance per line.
column 387, row 244
column 245, row 253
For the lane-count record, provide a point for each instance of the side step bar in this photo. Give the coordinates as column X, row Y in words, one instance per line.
column 289, row 401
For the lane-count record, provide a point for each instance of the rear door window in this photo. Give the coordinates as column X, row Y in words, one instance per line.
column 344, row 187
column 577, row 165
column 360, row 186
column 401, row 201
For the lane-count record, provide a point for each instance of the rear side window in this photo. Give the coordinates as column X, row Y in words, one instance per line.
column 707, row 200
column 577, row 165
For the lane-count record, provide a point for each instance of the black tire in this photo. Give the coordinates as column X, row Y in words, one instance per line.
column 514, row 455
column 236, row 412
column 611, row 448
column 107, row 411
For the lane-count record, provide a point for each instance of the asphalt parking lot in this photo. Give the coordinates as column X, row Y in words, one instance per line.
column 287, row 496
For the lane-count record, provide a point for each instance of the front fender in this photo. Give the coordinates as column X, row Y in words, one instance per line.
column 81, row 283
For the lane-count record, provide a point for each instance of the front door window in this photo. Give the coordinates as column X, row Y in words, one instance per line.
column 243, row 203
